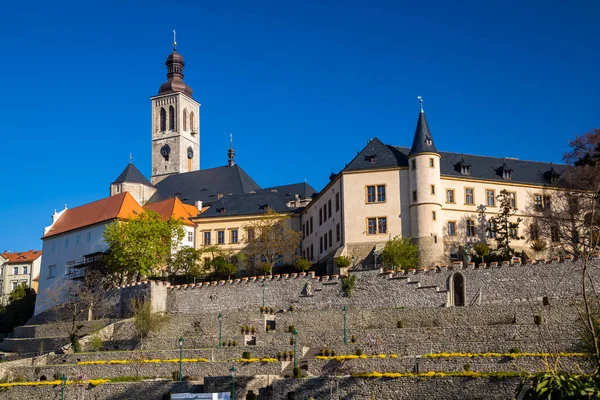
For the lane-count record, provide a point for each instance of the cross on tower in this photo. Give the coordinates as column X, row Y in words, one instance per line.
column 421, row 102
column 174, row 39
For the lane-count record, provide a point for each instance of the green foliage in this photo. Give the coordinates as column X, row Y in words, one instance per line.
column 482, row 250
column 359, row 352
column 19, row 310
column 264, row 268
column 228, row 269
column 467, row 367
column 503, row 224
column 75, row 345
column 348, row 283
column 399, row 324
column 246, row 355
column 302, row 264
column 145, row 320
column 538, row 246
column 560, row 385
column 400, row 253
column 186, row 262
column 537, row 319
column 342, row 262
column 141, row 245
column 297, row 372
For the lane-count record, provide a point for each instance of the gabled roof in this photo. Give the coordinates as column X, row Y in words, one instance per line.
column 422, row 141
column 376, row 155
column 22, row 257
column 174, row 208
column 205, row 185
column 132, row 175
column 289, row 192
column 119, row 206
column 245, row 204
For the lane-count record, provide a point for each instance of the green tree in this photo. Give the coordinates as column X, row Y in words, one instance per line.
column 19, row 309
column 141, row 245
column 187, row 262
column 503, row 225
column 482, row 250
column 273, row 238
column 302, row 264
column 146, row 321
column 400, row 253
column 342, row 262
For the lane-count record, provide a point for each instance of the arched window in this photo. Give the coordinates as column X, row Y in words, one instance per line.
column 163, row 120
column 171, row 118
column 458, row 289
column 185, row 119
column 192, row 123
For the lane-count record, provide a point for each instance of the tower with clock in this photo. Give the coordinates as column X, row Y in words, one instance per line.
column 175, row 124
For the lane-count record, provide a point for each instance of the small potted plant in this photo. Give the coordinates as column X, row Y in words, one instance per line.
column 267, row 328
column 292, row 307
column 271, row 310
column 291, row 341
column 253, row 330
column 327, row 352
column 262, row 309
column 279, row 356
column 244, row 329
column 291, row 328
column 332, row 353
column 353, row 339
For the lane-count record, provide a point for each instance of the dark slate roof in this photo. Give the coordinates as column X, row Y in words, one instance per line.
column 132, row 175
column 245, row 204
column 205, row 185
column 482, row 167
column 288, row 192
column 422, row 142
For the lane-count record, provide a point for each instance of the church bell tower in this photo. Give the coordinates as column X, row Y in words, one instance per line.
column 175, row 124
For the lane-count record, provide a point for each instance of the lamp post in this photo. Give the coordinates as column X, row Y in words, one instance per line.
column 63, row 379
column 295, row 338
column 180, row 356
column 263, row 294
column 232, row 372
column 220, row 329
column 353, row 261
column 345, row 338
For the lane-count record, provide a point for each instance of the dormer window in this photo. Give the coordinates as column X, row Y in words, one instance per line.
column 371, row 158
column 428, row 141
column 506, row 174
column 465, row 169
column 551, row 175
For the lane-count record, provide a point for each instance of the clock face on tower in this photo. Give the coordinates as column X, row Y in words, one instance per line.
column 190, row 153
column 164, row 151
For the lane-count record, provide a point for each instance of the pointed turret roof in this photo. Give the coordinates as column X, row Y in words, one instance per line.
column 422, row 142
column 132, row 175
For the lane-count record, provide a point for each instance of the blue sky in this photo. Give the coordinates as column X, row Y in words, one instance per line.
column 301, row 84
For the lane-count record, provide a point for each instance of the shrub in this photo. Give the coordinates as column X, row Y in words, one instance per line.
column 246, row 355
column 327, row 352
column 359, row 352
column 348, row 283
column 292, row 307
column 353, row 339
column 264, row 268
column 291, row 328
column 302, row 264
column 401, row 253
column 537, row 319
column 400, row 324
column 175, row 375
column 514, row 350
column 342, row 262
column 467, row 367
column 297, row 372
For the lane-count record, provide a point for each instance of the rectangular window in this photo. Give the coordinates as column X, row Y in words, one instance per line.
column 432, row 189
column 431, row 163
column 433, row 215
column 413, row 164
column 15, row 270
column 234, row 236
column 67, row 242
column 380, row 193
column 414, row 195
column 546, row 202
column 51, row 271
column 490, row 196
column 330, row 210
column 555, row 234
column 25, row 270
column 77, row 239
column 338, row 233
column 337, row 202
column 534, row 232
column 89, row 236
column 325, row 212
column 469, row 198
column 311, row 224
column 382, row 225
column 449, row 195
column 470, row 228
column 451, row 228
column 372, row 226
column 14, row 284
column 491, row 230
column 537, row 202
column 53, row 247
column 321, row 244
column 251, row 234
column 370, row 194
column 330, row 238
column 312, row 253
column 220, row 237
column 325, row 241
column 320, row 216
column 513, row 199
column 512, row 232
column 206, row 238
column 190, row 236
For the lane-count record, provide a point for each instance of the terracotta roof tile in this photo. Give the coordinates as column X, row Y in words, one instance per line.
column 23, row 256
column 174, row 208
column 121, row 206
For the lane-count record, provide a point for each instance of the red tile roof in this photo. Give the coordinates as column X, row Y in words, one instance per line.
column 174, row 208
column 23, row 256
column 120, row 206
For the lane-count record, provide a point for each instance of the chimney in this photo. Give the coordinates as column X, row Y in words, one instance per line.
column 198, row 205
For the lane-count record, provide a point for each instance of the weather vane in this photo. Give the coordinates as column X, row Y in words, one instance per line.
column 420, row 98
column 174, row 39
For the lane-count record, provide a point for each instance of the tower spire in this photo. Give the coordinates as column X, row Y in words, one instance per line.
column 421, row 103
column 174, row 40
column 230, row 152
column 422, row 141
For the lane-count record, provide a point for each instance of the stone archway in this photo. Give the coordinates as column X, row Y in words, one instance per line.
column 458, row 289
